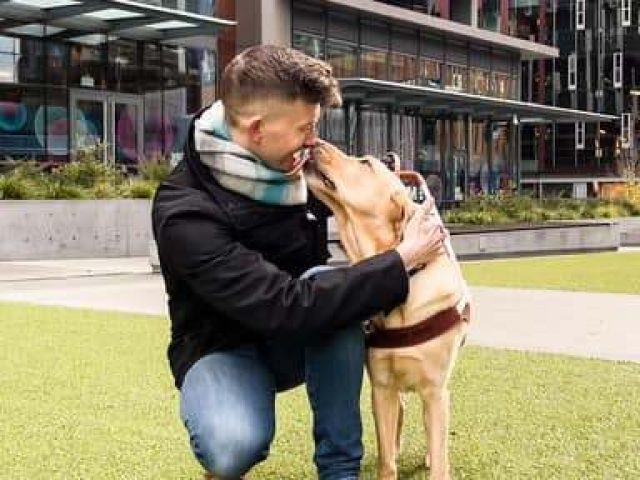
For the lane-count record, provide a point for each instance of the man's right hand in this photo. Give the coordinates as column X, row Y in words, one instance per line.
column 423, row 236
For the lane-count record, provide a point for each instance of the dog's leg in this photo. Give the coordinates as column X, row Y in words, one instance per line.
column 401, row 409
column 436, row 423
column 386, row 411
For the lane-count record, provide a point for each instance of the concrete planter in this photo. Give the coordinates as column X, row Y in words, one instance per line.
column 629, row 231
column 50, row 229
column 565, row 237
column 478, row 242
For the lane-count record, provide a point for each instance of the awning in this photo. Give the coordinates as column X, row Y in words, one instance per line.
column 442, row 102
column 75, row 20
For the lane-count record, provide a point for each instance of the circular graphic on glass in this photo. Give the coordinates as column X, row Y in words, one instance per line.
column 57, row 127
column 126, row 134
column 13, row 116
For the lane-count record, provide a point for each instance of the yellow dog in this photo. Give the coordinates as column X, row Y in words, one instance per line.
column 414, row 348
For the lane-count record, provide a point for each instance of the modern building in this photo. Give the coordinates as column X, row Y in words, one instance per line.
column 451, row 85
column 116, row 73
column 438, row 81
column 598, row 70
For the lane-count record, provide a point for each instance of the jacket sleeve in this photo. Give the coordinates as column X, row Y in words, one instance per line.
column 255, row 293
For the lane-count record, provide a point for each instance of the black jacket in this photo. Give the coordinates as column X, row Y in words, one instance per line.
column 231, row 267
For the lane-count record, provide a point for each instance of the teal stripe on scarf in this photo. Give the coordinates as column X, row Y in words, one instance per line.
column 238, row 169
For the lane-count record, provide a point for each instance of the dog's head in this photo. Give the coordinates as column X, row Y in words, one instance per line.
column 369, row 202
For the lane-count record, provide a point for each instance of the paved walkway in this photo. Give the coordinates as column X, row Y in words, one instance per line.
column 586, row 324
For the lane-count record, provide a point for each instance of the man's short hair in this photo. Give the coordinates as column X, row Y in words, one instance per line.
column 270, row 71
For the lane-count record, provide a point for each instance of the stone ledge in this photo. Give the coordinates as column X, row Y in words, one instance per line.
column 55, row 229
column 521, row 240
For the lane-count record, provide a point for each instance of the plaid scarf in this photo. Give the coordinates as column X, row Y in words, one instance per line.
column 238, row 169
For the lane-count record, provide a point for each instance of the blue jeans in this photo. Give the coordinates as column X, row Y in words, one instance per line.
column 227, row 402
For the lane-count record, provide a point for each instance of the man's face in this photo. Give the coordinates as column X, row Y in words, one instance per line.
column 286, row 129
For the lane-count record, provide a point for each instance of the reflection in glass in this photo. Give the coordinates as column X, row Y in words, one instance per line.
column 478, row 165
column 429, row 73
column 8, row 64
column 374, row 128
column 89, row 123
column 342, row 58
column 403, row 131
column 309, row 44
column 403, row 68
column 429, row 148
column 489, row 15
column 126, row 133
column 373, row 63
column 332, row 127
column 456, row 78
column 480, row 81
column 86, row 66
column 502, row 85
column 57, row 63
column 500, row 154
column 123, row 66
column 18, row 130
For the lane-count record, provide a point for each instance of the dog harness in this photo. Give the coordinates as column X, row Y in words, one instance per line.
column 415, row 334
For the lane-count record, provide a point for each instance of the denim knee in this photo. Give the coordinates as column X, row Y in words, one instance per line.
column 229, row 453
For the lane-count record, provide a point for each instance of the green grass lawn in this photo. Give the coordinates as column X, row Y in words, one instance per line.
column 616, row 272
column 86, row 395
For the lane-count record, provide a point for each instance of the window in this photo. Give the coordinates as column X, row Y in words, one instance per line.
column 626, row 13
column 579, row 135
column 373, row 63
column 456, row 78
column 572, row 77
column 501, row 85
column 480, row 81
column 403, row 68
column 625, row 130
column 617, row 70
column 310, row 44
column 342, row 58
column 429, row 73
column 580, row 14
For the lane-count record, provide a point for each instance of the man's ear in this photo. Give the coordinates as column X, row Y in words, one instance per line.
column 255, row 129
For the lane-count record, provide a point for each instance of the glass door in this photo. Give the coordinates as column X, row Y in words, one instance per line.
column 89, row 122
column 112, row 122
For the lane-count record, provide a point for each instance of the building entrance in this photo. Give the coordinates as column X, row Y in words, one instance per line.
column 112, row 120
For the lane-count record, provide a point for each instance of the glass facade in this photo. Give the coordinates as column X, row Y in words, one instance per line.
column 130, row 95
column 460, row 155
column 360, row 47
column 597, row 68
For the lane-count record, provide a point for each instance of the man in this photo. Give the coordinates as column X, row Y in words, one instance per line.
column 235, row 240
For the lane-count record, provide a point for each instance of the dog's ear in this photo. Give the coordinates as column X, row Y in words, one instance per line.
column 400, row 215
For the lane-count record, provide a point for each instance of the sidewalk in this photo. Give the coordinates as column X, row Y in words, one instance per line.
column 575, row 323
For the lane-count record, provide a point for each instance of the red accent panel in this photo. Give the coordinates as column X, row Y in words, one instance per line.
column 504, row 18
column 226, row 9
column 444, row 8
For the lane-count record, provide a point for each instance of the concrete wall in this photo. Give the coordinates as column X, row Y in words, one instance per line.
column 486, row 243
column 51, row 229
column 589, row 237
column 629, row 231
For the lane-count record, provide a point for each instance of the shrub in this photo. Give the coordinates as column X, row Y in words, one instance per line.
column 87, row 172
column 14, row 188
column 154, row 170
column 104, row 189
column 140, row 189
column 57, row 190
column 525, row 209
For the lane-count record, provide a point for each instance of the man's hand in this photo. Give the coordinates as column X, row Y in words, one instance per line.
column 423, row 236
